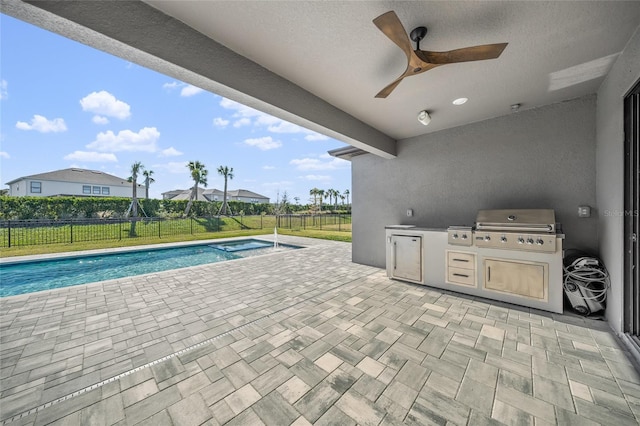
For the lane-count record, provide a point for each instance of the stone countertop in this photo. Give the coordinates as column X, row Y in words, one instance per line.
column 415, row 228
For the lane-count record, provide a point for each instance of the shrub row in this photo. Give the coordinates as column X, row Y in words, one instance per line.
column 24, row 208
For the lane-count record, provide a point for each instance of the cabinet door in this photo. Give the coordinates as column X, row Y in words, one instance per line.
column 407, row 257
column 527, row 279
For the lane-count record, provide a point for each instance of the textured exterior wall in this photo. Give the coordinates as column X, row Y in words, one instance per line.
column 610, row 170
column 541, row 158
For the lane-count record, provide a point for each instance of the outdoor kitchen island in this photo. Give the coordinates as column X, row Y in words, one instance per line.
column 427, row 256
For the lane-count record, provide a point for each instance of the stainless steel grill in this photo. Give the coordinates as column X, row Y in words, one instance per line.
column 524, row 229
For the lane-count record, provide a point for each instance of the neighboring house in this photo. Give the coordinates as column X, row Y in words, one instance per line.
column 183, row 194
column 71, row 182
column 243, row 195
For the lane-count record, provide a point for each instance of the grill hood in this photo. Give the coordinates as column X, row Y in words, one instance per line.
column 517, row 220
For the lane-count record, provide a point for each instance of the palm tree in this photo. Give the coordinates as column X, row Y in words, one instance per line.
column 328, row 194
column 314, row 192
column 346, row 194
column 136, row 169
column 320, row 196
column 336, row 194
column 148, row 180
column 199, row 176
column 227, row 172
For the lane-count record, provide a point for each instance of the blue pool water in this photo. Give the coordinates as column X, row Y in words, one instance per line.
column 28, row 277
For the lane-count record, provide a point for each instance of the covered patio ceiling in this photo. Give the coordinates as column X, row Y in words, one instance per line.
column 320, row 64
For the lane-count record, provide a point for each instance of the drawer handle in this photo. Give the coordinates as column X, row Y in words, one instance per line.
column 460, row 275
column 461, row 260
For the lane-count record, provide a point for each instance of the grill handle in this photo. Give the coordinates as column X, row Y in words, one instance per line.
column 512, row 228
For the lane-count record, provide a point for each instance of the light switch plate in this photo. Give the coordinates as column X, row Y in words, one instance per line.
column 584, row 211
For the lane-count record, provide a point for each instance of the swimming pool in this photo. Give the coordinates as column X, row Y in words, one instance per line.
column 28, row 277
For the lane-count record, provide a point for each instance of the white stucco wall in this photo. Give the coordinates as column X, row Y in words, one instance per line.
column 540, row 158
column 610, row 170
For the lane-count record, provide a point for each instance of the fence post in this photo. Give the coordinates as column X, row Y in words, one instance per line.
column 120, row 223
column 261, row 221
column 191, row 224
column 159, row 229
column 339, row 222
column 71, row 222
column 9, row 232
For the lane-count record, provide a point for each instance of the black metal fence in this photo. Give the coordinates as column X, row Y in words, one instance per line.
column 15, row 233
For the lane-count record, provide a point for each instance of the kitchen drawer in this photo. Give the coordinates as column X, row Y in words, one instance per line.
column 461, row 276
column 462, row 260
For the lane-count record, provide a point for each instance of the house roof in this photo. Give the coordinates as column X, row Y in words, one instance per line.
column 320, row 64
column 77, row 175
column 244, row 193
column 184, row 194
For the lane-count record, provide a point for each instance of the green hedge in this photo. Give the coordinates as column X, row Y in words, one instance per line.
column 23, row 208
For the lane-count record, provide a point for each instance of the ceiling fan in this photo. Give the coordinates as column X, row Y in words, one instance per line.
column 419, row 61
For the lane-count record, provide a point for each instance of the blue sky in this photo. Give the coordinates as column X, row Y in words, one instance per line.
column 64, row 104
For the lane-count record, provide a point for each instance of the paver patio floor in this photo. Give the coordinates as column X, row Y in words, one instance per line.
column 301, row 337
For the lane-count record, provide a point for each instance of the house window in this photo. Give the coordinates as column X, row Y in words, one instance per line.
column 86, row 189
column 36, row 187
column 105, row 190
column 96, row 190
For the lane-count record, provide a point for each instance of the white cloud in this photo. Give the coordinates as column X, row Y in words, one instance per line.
column 284, row 127
column 4, row 154
column 283, row 184
column 316, row 137
column 4, row 94
column 190, row 90
column 317, row 164
column 245, row 116
column 220, row 122
column 99, row 119
column 170, row 86
column 242, row 122
column 265, row 143
column 186, row 90
column 322, row 178
column 92, row 157
column 174, row 167
column 104, row 103
column 268, row 168
column 170, row 152
column 43, row 125
column 126, row 140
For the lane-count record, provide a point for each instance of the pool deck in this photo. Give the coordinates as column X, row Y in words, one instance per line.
column 301, row 337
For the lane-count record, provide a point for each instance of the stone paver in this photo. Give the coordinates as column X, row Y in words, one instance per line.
column 297, row 338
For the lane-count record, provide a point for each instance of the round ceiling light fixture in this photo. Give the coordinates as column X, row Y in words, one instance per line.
column 460, row 101
column 424, row 117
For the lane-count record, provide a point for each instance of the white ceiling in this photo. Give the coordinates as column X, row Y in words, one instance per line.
column 333, row 50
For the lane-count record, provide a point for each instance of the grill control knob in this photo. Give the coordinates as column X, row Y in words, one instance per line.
column 503, row 239
column 487, row 238
column 520, row 240
column 454, row 236
column 529, row 240
column 539, row 241
column 464, row 236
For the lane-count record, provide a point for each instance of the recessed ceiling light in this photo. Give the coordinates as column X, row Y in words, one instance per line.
column 460, row 101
